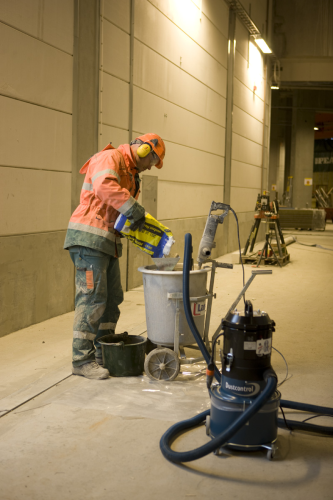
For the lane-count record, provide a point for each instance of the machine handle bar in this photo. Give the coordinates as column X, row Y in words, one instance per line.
column 259, row 271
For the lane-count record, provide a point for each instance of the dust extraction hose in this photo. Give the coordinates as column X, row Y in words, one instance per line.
column 176, row 429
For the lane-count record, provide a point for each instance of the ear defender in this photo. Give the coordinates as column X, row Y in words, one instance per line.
column 143, row 150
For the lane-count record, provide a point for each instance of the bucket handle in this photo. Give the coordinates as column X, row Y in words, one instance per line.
column 120, row 344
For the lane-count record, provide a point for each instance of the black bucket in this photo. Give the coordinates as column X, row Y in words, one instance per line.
column 123, row 355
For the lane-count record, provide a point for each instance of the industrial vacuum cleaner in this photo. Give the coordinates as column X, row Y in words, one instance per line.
column 244, row 399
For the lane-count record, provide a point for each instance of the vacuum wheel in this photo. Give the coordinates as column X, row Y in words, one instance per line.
column 162, row 364
column 208, row 425
column 271, row 453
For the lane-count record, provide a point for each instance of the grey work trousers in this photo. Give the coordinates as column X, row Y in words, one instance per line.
column 97, row 297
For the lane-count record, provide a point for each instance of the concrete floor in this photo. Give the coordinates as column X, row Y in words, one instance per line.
column 63, row 436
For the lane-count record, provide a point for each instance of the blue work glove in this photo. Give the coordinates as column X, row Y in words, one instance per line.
column 138, row 224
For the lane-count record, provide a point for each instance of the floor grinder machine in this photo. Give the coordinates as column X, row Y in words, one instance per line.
column 245, row 400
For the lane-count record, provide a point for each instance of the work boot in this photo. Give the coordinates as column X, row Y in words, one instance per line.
column 99, row 361
column 91, row 370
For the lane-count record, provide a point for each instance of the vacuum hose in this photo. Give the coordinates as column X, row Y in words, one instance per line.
column 224, row 437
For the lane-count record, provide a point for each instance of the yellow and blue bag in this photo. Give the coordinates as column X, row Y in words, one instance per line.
column 154, row 239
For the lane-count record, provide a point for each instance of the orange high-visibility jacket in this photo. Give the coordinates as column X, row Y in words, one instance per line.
column 109, row 188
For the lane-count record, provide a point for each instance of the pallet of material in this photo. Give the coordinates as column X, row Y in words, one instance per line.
column 307, row 218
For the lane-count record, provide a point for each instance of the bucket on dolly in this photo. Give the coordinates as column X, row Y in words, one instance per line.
column 167, row 328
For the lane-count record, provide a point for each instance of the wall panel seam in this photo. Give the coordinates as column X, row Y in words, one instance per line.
column 115, row 76
column 226, row 41
column 178, row 106
column 185, row 218
column 183, row 145
column 16, row 235
column 36, row 104
column 38, row 39
column 114, row 126
column 239, row 161
column 248, row 63
column 246, row 163
column 202, row 14
column 116, row 25
column 182, row 69
column 251, row 90
column 246, row 187
column 36, row 169
column 249, row 114
column 190, row 183
column 254, row 142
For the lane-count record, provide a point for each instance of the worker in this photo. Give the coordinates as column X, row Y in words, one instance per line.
column 111, row 187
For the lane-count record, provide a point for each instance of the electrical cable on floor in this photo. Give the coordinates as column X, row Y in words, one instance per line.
column 316, row 416
column 240, row 250
column 284, row 359
column 313, row 245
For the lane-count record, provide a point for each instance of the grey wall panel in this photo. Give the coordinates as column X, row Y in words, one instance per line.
column 114, row 108
column 246, row 100
column 22, row 15
column 253, row 74
column 247, row 126
column 178, row 200
column 179, row 126
column 34, row 71
column 34, row 137
column 58, row 23
column 155, row 30
column 243, row 199
column 37, row 280
column 159, row 76
column 246, row 151
column 112, row 134
column 242, row 40
column 218, row 14
column 118, row 13
column 116, row 51
column 186, row 15
column 47, row 20
column 36, row 201
column 183, row 163
column 245, row 175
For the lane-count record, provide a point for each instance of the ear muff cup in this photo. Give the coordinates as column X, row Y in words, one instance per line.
column 143, row 150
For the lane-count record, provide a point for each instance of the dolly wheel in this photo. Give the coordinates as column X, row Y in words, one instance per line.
column 162, row 364
column 271, row 454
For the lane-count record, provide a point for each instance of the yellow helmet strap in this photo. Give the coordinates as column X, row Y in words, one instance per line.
column 143, row 150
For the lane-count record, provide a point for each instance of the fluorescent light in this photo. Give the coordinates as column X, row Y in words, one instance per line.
column 315, row 128
column 274, row 87
column 263, row 45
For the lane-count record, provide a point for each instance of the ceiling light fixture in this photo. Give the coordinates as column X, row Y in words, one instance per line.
column 262, row 44
column 315, row 128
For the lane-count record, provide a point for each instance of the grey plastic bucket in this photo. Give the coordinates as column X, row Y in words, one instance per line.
column 161, row 310
column 123, row 356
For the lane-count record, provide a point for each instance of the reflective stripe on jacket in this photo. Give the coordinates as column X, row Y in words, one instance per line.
column 110, row 187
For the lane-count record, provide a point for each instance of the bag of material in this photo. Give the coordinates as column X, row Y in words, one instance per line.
column 154, row 239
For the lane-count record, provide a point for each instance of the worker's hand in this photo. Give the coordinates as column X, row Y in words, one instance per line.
column 138, row 224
